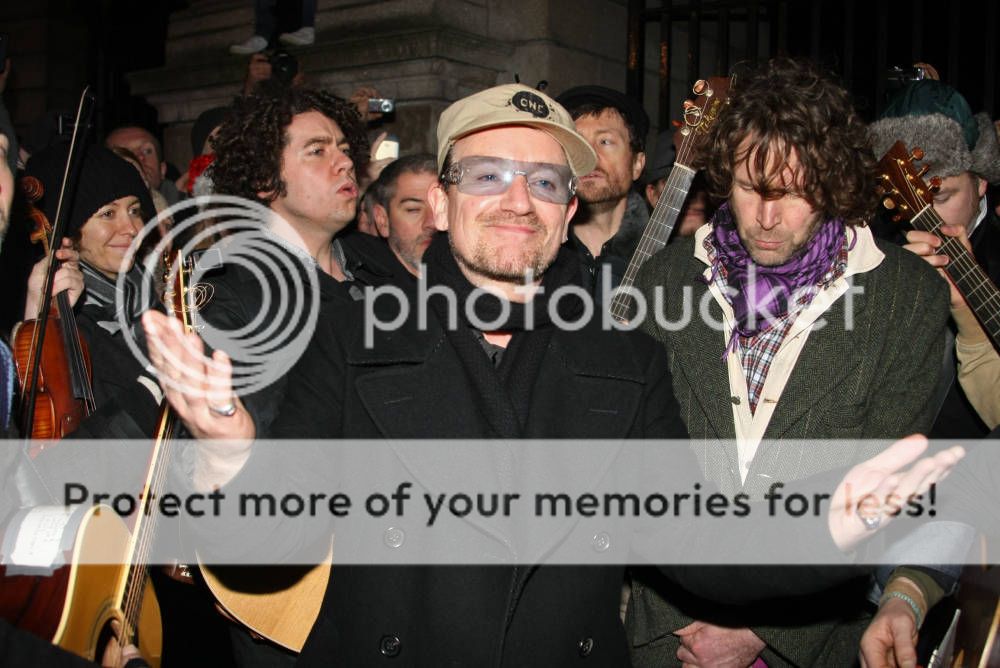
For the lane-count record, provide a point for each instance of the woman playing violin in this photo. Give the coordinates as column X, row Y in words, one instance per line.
column 108, row 209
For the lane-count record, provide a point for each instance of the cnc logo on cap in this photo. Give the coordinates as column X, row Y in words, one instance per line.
column 531, row 103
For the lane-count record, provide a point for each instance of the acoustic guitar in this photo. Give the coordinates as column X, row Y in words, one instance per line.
column 904, row 193
column 279, row 603
column 699, row 116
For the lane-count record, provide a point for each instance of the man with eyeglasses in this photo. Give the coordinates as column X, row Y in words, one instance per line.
column 496, row 367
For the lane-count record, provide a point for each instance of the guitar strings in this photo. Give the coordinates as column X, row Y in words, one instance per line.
column 974, row 284
column 648, row 245
column 658, row 219
column 137, row 573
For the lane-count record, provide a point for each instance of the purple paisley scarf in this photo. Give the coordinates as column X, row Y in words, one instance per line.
column 761, row 295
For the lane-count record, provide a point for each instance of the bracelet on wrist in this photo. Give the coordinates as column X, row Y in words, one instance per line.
column 918, row 614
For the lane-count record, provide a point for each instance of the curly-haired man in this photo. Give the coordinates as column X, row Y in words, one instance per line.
column 784, row 319
column 294, row 150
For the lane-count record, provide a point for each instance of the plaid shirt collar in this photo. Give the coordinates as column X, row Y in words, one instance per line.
column 757, row 352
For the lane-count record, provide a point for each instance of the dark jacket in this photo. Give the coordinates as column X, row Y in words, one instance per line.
column 872, row 381
column 412, row 384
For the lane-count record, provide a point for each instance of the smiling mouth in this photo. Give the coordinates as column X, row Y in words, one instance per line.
column 515, row 228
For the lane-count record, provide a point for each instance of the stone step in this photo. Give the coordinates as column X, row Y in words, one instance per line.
column 207, row 29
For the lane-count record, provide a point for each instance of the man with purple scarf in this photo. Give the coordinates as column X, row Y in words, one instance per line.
column 785, row 320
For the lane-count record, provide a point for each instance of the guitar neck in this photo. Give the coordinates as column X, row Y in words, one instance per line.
column 979, row 291
column 655, row 236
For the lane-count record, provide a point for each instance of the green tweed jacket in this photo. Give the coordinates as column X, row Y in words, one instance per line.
column 875, row 380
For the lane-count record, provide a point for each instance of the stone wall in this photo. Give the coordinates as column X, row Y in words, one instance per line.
column 423, row 53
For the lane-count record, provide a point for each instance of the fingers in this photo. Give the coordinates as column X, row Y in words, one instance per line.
column 691, row 628
column 928, row 245
column 900, row 454
column 378, row 142
column 686, row 656
column 68, row 278
column 199, row 388
column 904, row 645
column 873, row 652
column 919, row 478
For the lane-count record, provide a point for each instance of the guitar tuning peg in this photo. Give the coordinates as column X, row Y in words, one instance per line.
column 700, row 86
column 889, row 203
column 917, row 154
column 923, row 170
column 903, row 207
column 676, row 123
column 692, row 115
column 935, row 184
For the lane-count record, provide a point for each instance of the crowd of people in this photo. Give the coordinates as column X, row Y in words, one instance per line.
column 814, row 332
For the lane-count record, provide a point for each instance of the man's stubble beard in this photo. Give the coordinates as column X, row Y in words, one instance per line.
column 609, row 192
column 531, row 263
column 413, row 254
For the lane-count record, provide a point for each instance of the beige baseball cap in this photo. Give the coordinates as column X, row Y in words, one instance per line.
column 514, row 104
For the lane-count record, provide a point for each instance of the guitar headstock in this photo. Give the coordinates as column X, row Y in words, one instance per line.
column 901, row 184
column 711, row 97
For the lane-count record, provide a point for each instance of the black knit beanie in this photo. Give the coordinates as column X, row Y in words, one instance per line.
column 104, row 177
column 203, row 126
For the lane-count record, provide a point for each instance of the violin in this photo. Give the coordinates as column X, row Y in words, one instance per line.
column 54, row 371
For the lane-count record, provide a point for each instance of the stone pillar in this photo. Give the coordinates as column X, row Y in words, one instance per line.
column 423, row 53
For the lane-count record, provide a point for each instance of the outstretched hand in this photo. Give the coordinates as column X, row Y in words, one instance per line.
column 884, row 480
column 199, row 389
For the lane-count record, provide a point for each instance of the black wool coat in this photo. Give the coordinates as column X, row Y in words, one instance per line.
column 411, row 384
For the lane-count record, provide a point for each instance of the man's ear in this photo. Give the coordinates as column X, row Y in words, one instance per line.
column 982, row 186
column 381, row 219
column 163, row 170
column 651, row 195
column 638, row 164
column 570, row 210
column 438, row 199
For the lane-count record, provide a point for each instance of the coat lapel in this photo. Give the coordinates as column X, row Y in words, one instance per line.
column 830, row 354
column 422, row 391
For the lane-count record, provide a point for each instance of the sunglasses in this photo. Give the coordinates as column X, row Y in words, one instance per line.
column 481, row 175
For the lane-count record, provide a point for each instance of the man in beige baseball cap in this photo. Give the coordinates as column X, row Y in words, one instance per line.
column 514, row 104
column 509, row 157
column 501, row 352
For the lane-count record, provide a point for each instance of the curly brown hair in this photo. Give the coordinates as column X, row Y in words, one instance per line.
column 250, row 141
column 791, row 105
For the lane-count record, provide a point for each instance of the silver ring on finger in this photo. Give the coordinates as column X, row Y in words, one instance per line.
column 871, row 522
column 226, row 410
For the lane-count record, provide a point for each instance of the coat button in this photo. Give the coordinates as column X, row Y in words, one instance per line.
column 601, row 541
column 394, row 537
column 736, row 400
column 586, row 646
column 390, row 646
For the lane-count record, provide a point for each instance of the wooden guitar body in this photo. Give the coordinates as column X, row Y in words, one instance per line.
column 75, row 604
column 280, row 603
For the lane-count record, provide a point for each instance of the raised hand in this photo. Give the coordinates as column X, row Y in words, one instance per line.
column 199, row 390
column 856, row 507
